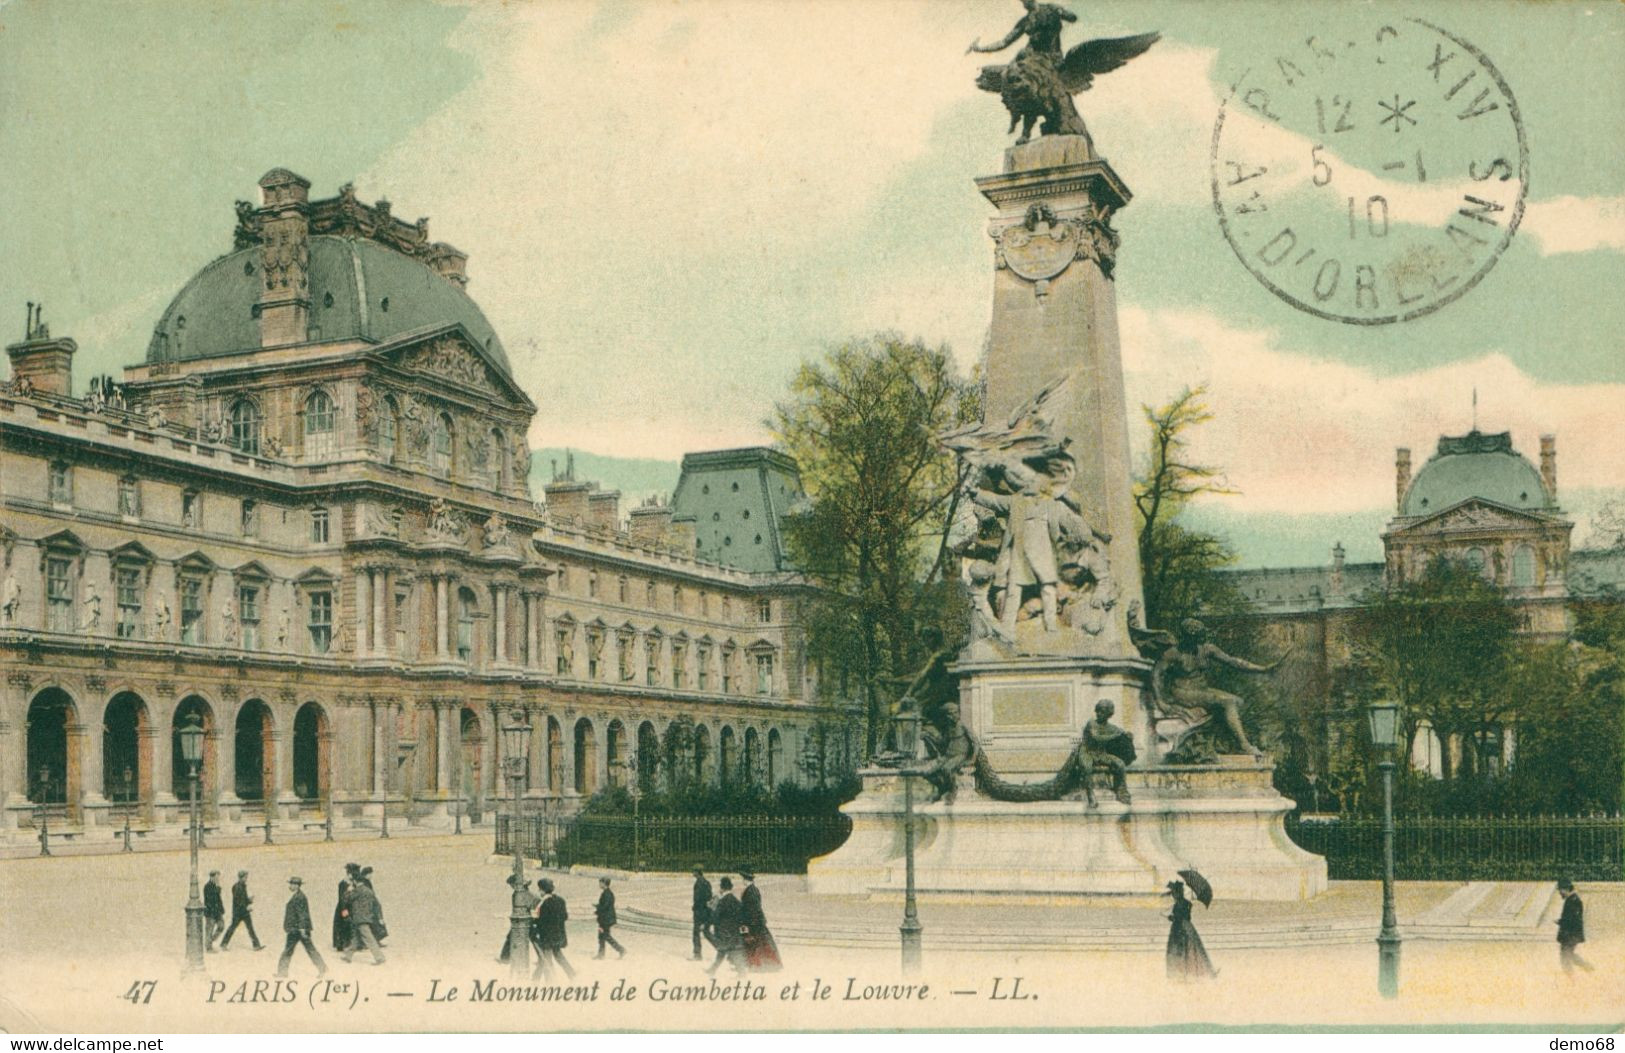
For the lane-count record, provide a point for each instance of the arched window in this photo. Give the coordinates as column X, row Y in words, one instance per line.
column 389, row 427
column 440, row 454
column 245, row 426
column 319, row 424
column 1523, row 566
column 465, row 625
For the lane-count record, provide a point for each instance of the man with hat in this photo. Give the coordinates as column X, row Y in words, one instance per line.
column 242, row 912
column 726, row 923
column 363, row 908
column 214, row 909
column 1571, row 927
column 341, row 916
column 296, row 924
column 702, row 911
column 607, row 918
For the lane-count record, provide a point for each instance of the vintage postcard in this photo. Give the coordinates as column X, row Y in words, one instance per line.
column 816, row 515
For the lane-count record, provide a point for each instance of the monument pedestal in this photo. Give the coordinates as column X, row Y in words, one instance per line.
column 1226, row 821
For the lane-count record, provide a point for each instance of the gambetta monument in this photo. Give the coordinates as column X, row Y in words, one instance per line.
column 1062, row 690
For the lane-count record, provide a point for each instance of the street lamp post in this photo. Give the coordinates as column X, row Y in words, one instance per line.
column 516, row 740
column 44, row 811
column 191, row 737
column 129, row 778
column 1384, row 724
column 636, row 793
column 908, row 737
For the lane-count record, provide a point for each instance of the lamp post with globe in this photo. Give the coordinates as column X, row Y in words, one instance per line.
column 516, row 742
column 907, row 733
column 1383, row 718
column 191, row 738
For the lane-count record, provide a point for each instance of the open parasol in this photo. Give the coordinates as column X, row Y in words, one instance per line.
column 1198, row 886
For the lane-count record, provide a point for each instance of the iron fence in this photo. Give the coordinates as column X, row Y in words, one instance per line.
column 1468, row 848
column 772, row 844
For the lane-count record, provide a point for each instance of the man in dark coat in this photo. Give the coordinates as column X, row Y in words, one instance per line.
column 605, row 913
column 551, row 938
column 214, row 909
column 1571, row 927
column 341, row 916
column 363, row 910
column 702, row 912
column 379, row 929
column 242, row 912
column 726, row 923
column 296, row 924
column 761, row 950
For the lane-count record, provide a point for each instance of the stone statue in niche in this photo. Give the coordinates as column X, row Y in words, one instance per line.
column 521, row 461
column 1026, row 552
column 497, row 534
column 283, row 621
column 11, row 600
column 1040, row 82
column 90, row 621
column 228, row 622
column 161, row 616
column 445, row 525
column 1207, row 720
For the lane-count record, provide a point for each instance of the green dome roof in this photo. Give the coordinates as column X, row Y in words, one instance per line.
column 359, row 289
column 1475, row 465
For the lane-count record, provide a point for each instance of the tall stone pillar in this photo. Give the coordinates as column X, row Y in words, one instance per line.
column 440, row 617
column 282, row 743
column 380, row 740
column 380, row 596
column 363, row 609
column 446, row 712
column 500, row 639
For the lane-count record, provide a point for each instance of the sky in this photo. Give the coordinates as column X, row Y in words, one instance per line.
column 668, row 206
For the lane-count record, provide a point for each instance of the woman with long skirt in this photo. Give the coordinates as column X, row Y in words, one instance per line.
column 761, row 950
column 1187, row 958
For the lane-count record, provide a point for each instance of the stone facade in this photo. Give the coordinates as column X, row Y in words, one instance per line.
column 325, row 548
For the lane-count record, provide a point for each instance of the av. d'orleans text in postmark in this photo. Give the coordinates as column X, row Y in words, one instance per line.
column 1374, row 178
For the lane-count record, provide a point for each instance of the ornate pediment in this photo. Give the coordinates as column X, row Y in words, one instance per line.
column 1475, row 515
column 454, row 359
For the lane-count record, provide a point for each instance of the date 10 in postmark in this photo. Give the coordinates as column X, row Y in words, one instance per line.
column 1371, row 178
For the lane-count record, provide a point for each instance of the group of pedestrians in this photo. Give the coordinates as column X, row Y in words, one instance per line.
column 547, row 931
column 358, row 920
column 734, row 925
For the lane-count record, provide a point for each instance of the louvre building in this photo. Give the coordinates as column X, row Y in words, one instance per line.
column 305, row 520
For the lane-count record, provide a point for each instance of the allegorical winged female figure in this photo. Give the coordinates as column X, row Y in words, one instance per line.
column 1041, row 81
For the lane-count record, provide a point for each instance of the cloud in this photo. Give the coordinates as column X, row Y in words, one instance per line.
column 1299, row 435
column 1577, row 224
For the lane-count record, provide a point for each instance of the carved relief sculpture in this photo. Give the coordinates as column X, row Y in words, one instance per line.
column 497, row 534
column 445, row 525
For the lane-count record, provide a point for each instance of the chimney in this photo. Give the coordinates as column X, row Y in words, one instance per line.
column 284, row 305
column 1337, row 569
column 651, row 524
column 567, row 500
column 1402, row 477
column 684, row 535
column 1548, row 466
column 604, row 510
column 45, row 364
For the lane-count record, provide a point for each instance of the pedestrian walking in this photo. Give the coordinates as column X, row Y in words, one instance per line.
column 379, row 929
column 605, row 913
column 702, row 912
column 1186, row 957
column 341, row 916
column 296, row 925
column 551, row 937
column 1571, row 928
column 242, row 913
column 363, row 908
column 214, row 909
column 761, row 951
column 726, row 923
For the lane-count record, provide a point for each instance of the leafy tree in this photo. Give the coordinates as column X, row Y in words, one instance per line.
column 1178, row 565
column 863, row 422
column 1440, row 645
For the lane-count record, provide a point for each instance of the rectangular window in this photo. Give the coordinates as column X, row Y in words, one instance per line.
column 251, row 519
column 191, row 610
column 764, row 674
column 679, row 666
column 61, row 484
column 677, row 598
column 623, row 655
column 703, row 670
column 59, row 594
column 400, row 623
column 651, row 663
column 318, row 526
column 128, row 584
column 595, row 651
column 764, row 611
column 727, row 672
column 248, row 612
column 321, row 622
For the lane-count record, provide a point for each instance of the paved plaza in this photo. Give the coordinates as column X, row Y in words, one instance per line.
column 78, row 932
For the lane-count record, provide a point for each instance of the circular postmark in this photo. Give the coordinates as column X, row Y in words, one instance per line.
column 1371, row 178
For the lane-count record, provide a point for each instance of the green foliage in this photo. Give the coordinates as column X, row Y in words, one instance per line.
column 863, row 422
column 738, row 799
column 1178, row 565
